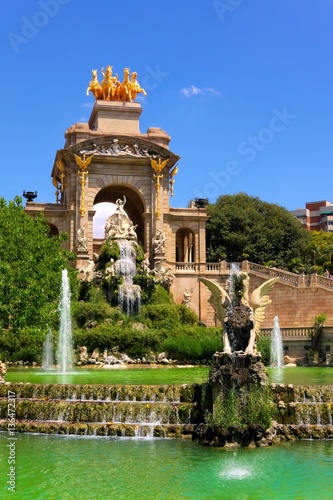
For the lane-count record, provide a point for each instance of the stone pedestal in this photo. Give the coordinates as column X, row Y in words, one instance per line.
column 115, row 117
column 237, row 371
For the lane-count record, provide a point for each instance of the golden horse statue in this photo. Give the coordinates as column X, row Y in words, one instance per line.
column 111, row 89
column 135, row 86
column 109, row 84
column 123, row 90
column 94, row 86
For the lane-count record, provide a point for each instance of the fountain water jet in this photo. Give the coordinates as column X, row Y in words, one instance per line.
column 276, row 346
column 48, row 360
column 64, row 352
column 129, row 294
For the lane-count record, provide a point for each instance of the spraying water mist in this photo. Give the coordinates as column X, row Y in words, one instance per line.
column 276, row 346
column 64, row 352
column 48, row 360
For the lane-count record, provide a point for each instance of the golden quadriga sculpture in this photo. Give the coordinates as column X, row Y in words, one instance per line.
column 111, row 89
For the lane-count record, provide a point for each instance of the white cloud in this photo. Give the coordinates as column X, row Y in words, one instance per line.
column 213, row 91
column 193, row 90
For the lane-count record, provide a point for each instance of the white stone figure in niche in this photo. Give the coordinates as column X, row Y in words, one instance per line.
column 159, row 242
column 110, row 228
column 187, row 297
column 120, row 213
column 131, row 234
column 119, row 225
column 88, row 271
column 145, row 265
column 81, row 239
column 162, row 275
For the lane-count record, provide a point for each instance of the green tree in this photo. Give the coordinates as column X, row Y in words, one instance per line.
column 30, row 269
column 241, row 226
column 320, row 251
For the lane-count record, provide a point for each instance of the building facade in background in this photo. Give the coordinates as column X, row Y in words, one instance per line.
column 315, row 216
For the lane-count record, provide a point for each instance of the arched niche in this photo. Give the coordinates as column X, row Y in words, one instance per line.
column 54, row 231
column 185, row 249
column 134, row 206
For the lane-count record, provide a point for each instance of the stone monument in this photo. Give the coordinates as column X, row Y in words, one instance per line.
column 239, row 366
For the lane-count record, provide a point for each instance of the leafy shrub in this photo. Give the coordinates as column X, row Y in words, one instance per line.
column 264, row 347
column 195, row 343
column 85, row 312
column 161, row 315
column 126, row 339
column 110, row 250
column 187, row 315
column 146, row 282
column 161, row 296
column 23, row 345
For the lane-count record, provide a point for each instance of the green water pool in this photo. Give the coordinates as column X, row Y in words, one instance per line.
column 58, row 468
column 131, row 376
column 163, row 376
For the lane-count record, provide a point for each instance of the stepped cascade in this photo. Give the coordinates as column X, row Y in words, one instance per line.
column 136, row 411
column 305, row 411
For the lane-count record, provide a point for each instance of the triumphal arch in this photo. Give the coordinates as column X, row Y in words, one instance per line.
column 109, row 159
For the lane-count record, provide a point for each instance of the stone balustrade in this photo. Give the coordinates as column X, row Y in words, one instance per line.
column 287, row 333
column 224, row 267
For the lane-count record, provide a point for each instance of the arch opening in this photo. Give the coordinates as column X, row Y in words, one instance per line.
column 105, row 205
column 185, row 245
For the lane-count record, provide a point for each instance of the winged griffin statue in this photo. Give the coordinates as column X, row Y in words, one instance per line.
column 240, row 314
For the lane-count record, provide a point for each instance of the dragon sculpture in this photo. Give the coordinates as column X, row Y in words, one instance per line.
column 240, row 315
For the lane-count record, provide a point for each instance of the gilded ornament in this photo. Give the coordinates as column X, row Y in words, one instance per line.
column 111, row 89
column 158, row 167
column 82, row 163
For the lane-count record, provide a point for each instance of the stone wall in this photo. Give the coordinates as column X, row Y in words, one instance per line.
column 296, row 299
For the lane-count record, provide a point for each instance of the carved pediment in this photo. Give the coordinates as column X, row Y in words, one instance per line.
column 122, row 146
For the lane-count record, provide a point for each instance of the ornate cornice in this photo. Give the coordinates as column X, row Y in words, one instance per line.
column 117, row 147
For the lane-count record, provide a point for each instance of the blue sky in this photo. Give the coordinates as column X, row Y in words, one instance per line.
column 244, row 88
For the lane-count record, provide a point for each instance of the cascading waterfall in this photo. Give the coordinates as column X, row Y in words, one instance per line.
column 276, row 345
column 64, row 352
column 48, row 360
column 129, row 294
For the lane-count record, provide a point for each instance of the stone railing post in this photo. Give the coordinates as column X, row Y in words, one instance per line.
column 314, row 279
column 245, row 265
column 223, row 265
column 301, row 280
